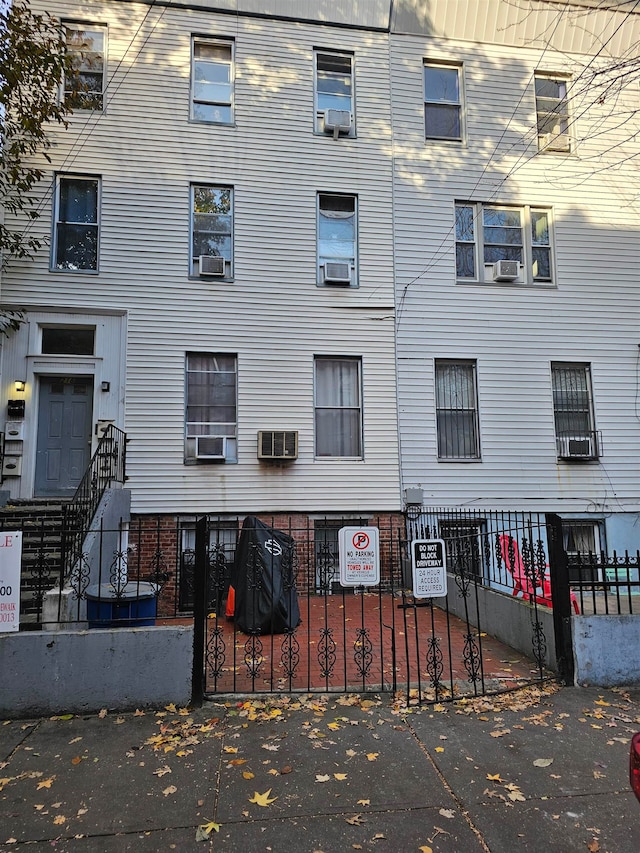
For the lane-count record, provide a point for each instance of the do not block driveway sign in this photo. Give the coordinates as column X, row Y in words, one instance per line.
column 359, row 556
column 429, row 568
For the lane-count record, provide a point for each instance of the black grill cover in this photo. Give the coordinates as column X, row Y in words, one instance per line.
column 263, row 578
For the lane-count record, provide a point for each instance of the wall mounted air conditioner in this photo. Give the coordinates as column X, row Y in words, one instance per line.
column 337, row 273
column 337, row 121
column 211, row 447
column 278, row 444
column 211, row 265
column 577, row 447
column 506, row 270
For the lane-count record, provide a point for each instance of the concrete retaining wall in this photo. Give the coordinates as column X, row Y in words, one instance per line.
column 506, row 618
column 53, row 672
column 605, row 650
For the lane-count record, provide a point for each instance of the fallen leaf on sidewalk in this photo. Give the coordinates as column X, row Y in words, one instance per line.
column 103, row 713
column 205, row 829
column 425, row 849
column 322, row 777
column 371, row 756
column 542, row 762
column 45, row 783
column 364, row 802
column 59, row 819
column 170, row 790
column 262, row 799
column 162, row 771
column 356, row 820
column 247, row 774
column 494, row 777
column 340, row 777
column 594, row 847
column 450, row 813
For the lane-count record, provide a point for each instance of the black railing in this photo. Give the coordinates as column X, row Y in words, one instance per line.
column 107, row 466
column 606, row 584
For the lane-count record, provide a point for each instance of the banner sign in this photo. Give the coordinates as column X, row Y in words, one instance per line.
column 10, row 562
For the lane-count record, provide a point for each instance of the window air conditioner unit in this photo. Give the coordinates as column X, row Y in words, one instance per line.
column 337, row 121
column 577, row 447
column 213, row 448
column 278, row 444
column 211, row 265
column 506, row 270
column 337, row 273
column 555, row 142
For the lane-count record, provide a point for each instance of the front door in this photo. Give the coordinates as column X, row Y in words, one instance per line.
column 64, row 433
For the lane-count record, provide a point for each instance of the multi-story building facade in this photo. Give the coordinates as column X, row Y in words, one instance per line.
column 348, row 227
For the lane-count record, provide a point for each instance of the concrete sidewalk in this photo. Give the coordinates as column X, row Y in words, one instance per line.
column 533, row 770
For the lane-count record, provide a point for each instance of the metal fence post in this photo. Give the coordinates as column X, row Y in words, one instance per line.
column 199, row 612
column 561, row 597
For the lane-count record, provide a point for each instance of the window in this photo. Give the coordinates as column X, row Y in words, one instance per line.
column 456, row 410
column 212, row 231
column 552, row 113
column 337, row 240
column 334, row 91
column 210, row 434
column 486, row 234
column 583, row 542
column 223, row 538
column 442, row 102
column 75, row 243
column 212, row 81
column 87, row 48
column 576, row 438
column 70, row 340
column 338, row 407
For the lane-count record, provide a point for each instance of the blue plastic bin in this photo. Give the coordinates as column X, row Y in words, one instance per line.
column 134, row 607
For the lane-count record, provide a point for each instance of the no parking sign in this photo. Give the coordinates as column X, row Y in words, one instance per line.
column 359, row 556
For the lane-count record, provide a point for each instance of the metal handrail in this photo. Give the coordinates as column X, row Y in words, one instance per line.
column 107, row 466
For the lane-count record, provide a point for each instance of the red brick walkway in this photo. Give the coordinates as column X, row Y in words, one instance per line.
column 354, row 642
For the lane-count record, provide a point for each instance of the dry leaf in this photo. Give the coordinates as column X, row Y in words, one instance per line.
column 356, row 820
column 170, row 790
column 274, row 772
column 340, row 776
column 542, row 762
column 364, row 802
column 230, row 749
column 272, row 747
column 138, row 713
column 371, row 756
column 59, row 819
column 286, row 770
column 517, row 796
column 247, row 774
column 322, row 778
column 76, row 760
column 205, row 829
column 236, row 762
column 171, row 707
column 425, row 849
column 103, row 713
column 262, row 799
column 162, row 771
column 450, row 813
column 494, row 777
column 45, row 783
column 594, row 847
column 439, row 748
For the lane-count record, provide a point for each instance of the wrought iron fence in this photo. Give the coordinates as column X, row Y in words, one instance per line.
column 606, row 585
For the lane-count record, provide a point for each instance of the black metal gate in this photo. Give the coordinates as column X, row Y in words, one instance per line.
column 382, row 638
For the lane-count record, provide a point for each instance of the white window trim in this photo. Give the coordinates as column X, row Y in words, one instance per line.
column 353, row 262
column 194, row 263
column 219, row 41
column 88, row 26
column 473, row 365
column 484, row 271
column 560, row 143
column 316, row 407
column 228, row 429
column 458, row 66
column 318, row 114
column 54, row 238
column 591, row 434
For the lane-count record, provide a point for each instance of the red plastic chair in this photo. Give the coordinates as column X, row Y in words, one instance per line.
column 521, row 582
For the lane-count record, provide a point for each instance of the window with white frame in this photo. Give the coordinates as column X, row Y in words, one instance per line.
column 334, row 102
column 337, row 240
column 212, row 231
column 442, row 101
column 552, row 113
column 576, row 438
column 212, row 81
column 338, row 407
column 76, row 231
column 583, row 542
column 457, row 410
column 489, row 234
column 211, row 408
column 87, row 47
